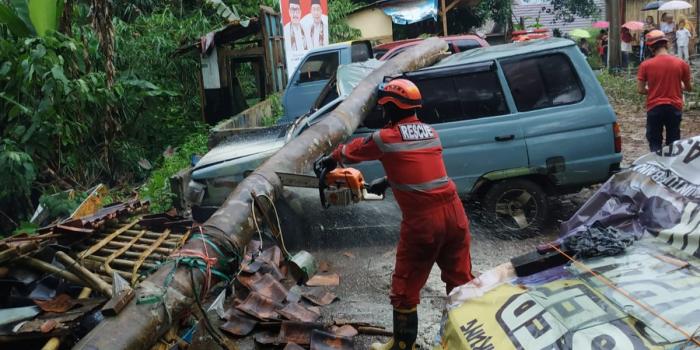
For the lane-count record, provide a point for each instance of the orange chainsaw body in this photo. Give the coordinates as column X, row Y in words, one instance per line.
column 345, row 186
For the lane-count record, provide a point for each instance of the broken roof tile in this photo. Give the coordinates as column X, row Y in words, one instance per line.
column 297, row 312
column 297, row 332
column 238, row 323
column 345, row 331
column 247, row 279
column 272, row 255
column 321, row 340
column 259, row 306
column 319, row 296
column 269, row 287
column 59, row 304
column 292, row 346
column 324, row 279
column 266, row 338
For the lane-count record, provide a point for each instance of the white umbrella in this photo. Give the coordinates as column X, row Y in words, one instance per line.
column 674, row 5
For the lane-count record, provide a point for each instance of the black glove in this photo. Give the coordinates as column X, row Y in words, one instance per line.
column 326, row 163
column 378, row 186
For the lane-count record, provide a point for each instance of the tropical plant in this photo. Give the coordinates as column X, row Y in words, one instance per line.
column 27, row 18
column 337, row 26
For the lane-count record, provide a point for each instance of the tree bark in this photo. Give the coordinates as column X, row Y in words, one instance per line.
column 231, row 227
column 614, row 49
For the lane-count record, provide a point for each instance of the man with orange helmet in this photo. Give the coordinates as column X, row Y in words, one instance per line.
column 663, row 79
column 434, row 227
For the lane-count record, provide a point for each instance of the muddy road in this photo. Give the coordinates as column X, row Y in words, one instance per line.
column 359, row 242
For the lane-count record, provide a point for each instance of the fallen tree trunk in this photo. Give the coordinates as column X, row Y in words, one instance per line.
column 231, row 228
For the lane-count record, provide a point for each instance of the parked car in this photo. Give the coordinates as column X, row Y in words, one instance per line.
column 518, row 123
column 314, row 71
column 457, row 43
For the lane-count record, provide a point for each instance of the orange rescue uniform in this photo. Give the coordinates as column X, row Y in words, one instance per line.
column 435, row 227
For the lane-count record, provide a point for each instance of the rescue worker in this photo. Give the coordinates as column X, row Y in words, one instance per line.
column 435, row 227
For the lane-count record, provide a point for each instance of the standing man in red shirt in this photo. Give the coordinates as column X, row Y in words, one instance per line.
column 434, row 227
column 663, row 79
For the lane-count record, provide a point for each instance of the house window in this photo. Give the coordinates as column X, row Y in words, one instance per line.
column 542, row 82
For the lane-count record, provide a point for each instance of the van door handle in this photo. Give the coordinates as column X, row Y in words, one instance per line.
column 504, row 138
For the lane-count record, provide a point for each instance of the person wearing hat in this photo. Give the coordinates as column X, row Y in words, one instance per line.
column 316, row 26
column 662, row 79
column 294, row 34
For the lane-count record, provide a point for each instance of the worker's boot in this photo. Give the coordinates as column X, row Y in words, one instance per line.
column 405, row 331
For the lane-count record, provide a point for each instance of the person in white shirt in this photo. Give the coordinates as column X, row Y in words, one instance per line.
column 316, row 26
column 669, row 28
column 294, row 31
column 683, row 36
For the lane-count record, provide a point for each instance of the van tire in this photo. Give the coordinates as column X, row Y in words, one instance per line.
column 515, row 208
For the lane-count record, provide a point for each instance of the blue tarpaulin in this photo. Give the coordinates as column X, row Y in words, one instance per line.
column 411, row 11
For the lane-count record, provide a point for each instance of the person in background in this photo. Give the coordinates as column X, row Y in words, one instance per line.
column 644, row 51
column 649, row 24
column 603, row 46
column 584, row 47
column 683, row 36
column 663, row 79
column 669, row 29
column 626, row 46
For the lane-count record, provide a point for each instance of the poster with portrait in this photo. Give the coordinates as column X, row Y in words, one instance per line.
column 305, row 28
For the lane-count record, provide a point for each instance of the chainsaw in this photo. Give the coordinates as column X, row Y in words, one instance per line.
column 338, row 187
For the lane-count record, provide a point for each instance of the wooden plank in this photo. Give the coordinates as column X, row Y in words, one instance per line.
column 118, row 302
column 145, row 254
column 121, row 250
column 107, row 239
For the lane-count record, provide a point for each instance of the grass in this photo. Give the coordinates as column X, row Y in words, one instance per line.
column 157, row 187
column 621, row 89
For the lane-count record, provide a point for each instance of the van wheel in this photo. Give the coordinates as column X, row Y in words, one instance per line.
column 515, row 208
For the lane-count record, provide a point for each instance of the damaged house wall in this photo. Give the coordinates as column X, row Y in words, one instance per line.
column 230, row 229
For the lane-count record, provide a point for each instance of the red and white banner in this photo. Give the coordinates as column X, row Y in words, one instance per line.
column 305, row 28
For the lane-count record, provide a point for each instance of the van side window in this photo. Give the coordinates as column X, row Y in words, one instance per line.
column 462, row 97
column 541, row 82
column 318, row 67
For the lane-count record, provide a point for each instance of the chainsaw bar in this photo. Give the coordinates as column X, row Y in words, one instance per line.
column 298, row 180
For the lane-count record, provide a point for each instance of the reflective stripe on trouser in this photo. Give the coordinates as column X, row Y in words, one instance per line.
column 421, row 187
column 440, row 235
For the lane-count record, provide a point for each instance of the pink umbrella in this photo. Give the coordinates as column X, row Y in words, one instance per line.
column 634, row 26
column 601, row 24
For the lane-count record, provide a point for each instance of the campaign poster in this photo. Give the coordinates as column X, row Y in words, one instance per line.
column 305, row 28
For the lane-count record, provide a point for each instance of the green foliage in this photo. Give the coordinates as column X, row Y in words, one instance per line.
column 150, row 41
column 157, row 188
column 62, row 204
column 25, row 18
column 277, row 110
column 338, row 28
column 18, row 170
column 15, row 24
column 45, row 15
column 621, row 89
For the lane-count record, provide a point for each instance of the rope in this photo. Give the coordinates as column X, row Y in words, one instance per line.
column 646, row 307
column 279, row 234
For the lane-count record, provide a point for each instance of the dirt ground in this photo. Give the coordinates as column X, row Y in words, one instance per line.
column 359, row 244
column 632, row 120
